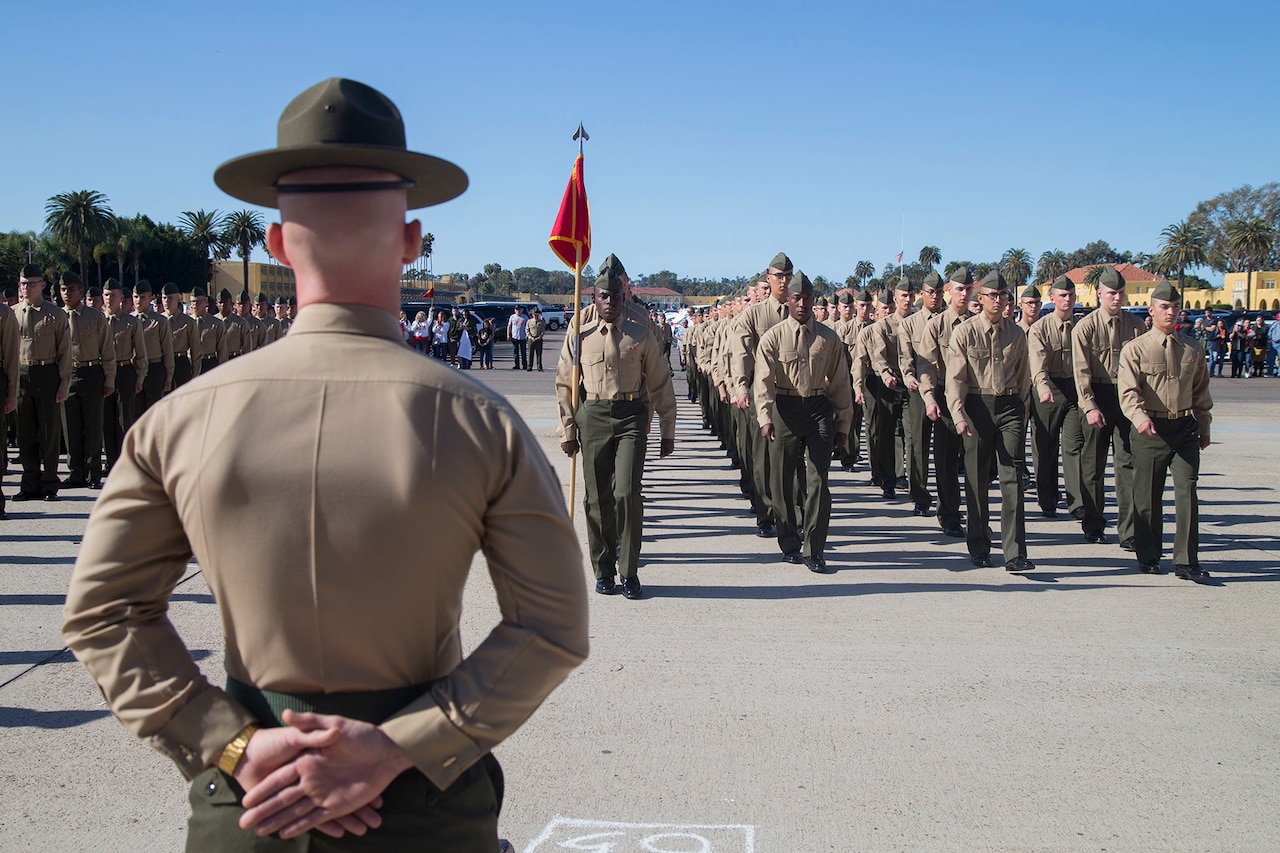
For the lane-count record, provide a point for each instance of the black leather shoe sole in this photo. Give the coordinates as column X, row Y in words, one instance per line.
column 1019, row 564
column 1126, row 544
column 631, row 588
column 956, row 531
column 607, row 586
column 816, row 564
column 1191, row 573
column 981, row 562
column 792, row 557
column 25, row 496
column 1150, row 569
column 49, row 497
column 1096, row 538
column 767, row 532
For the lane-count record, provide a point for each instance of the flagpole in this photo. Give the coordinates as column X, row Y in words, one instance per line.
column 902, row 243
column 574, row 350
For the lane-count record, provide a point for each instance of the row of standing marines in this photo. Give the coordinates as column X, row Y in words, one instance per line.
column 81, row 373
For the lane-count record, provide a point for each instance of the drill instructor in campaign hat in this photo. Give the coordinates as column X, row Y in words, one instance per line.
column 335, row 626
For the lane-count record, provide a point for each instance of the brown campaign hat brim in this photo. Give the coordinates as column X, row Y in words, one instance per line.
column 252, row 177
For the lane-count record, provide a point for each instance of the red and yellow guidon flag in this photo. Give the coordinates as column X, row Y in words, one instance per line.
column 573, row 223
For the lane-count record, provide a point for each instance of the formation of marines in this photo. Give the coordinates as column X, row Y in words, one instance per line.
column 948, row 376
column 77, row 375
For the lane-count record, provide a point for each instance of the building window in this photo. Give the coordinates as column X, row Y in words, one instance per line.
column 1269, row 283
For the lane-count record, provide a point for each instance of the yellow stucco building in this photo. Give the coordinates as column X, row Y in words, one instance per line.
column 272, row 279
column 1262, row 294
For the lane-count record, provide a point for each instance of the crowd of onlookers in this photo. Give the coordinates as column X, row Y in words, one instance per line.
column 455, row 337
column 1251, row 346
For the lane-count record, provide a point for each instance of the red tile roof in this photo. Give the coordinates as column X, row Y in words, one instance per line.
column 1127, row 271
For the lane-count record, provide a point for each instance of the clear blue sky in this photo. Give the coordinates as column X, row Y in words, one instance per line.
column 721, row 132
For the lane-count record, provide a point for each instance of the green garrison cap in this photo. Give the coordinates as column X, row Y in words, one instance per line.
column 864, row 295
column 170, row 289
column 886, row 297
column 961, row 275
column 611, row 264
column 224, row 295
column 95, row 291
column 609, row 281
column 69, row 277
column 263, row 299
column 1062, row 282
column 781, row 262
column 845, row 298
column 821, row 300
column 142, row 287
column 32, row 271
column 1030, row 292
column 1111, row 279
column 1166, row 291
column 903, row 284
column 933, row 281
column 799, row 282
column 111, row 283
column 280, row 300
column 243, row 298
column 198, row 291
column 994, row 280
column 293, row 302
column 11, row 292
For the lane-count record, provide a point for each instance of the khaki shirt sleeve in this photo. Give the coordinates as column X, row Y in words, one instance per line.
column 107, row 353
column 764, row 389
column 840, row 387
column 9, row 352
column 1130, row 381
column 956, row 358
column 741, row 361
column 878, row 350
column 659, row 391
column 194, row 345
column 1037, row 355
column 568, row 429
column 908, row 330
column 166, row 347
column 140, row 362
column 62, row 350
column 1082, row 368
column 928, row 357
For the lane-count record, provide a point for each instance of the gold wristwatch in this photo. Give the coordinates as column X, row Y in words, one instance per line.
column 232, row 752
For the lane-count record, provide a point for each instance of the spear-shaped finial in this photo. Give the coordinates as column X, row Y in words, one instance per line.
column 580, row 135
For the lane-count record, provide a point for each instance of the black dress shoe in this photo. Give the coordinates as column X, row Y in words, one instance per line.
column 50, row 497
column 26, row 496
column 888, row 494
column 1095, row 538
column 792, row 557
column 980, row 562
column 816, row 564
column 1019, row 564
column 767, row 530
column 920, row 509
column 1127, row 544
column 955, row 531
column 1051, row 512
column 1078, row 513
column 606, row 586
column 902, row 483
column 69, row 483
column 1191, row 573
column 875, row 482
column 631, row 588
column 1150, row 568
column 96, row 485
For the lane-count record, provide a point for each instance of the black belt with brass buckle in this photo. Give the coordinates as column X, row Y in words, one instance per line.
column 991, row 392
column 616, row 398
column 42, row 362
column 792, row 392
column 92, row 363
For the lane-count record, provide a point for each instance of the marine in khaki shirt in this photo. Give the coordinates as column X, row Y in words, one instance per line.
column 213, row 332
column 626, row 382
column 8, row 359
column 1163, row 382
column 341, row 613
column 186, row 337
column 44, row 376
column 93, row 377
column 805, row 405
column 918, row 427
column 239, row 332
column 1055, row 410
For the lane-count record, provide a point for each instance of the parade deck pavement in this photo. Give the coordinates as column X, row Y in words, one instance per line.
column 906, row 701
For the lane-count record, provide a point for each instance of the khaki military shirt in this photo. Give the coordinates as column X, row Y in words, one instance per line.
column 535, row 328
column 334, row 569
column 1095, row 350
column 983, row 358
column 9, row 353
column 883, row 347
column 860, row 369
column 213, row 336
column 1049, row 348
column 803, row 359
column 45, row 338
column 186, row 339
column 910, row 339
column 159, row 341
column 283, row 324
column 130, row 343
column 1163, row 374
column 748, row 328
column 239, row 334
column 91, row 340
column 617, row 359
column 931, row 364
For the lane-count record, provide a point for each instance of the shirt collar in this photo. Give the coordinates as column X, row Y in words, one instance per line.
column 339, row 318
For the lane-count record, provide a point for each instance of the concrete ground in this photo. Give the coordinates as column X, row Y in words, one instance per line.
column 904, row 702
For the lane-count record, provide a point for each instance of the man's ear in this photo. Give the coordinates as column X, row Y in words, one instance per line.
column 275, row 243
column 412, row 241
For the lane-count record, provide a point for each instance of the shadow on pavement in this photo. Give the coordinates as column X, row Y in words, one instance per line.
column 14, row 718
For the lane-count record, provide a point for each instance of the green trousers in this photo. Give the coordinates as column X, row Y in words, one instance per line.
column 82, row 423
column 997, row 427
column 871, row 410
column 181, row 370
column 1059, row 427
column 1175, row 447
column 1114, row 437
column 948, row 450
column 920, row 431
column 152, row 388
column 887, row 446
column 764, row 506
column 39, row 428
column 613, row 446
column 804, row 433
column 119, row 411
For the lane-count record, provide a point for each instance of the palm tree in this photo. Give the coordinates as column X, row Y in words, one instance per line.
column 1094, row 273
column 1016, row 266
column 428, row 243
column 78, row 219
column 203, row 230
column 1052, row 263
column 1249, row 241
column 929, row 256
column 133, row 239
column 1185, row 245
column 244, row 229
column 865, row 271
